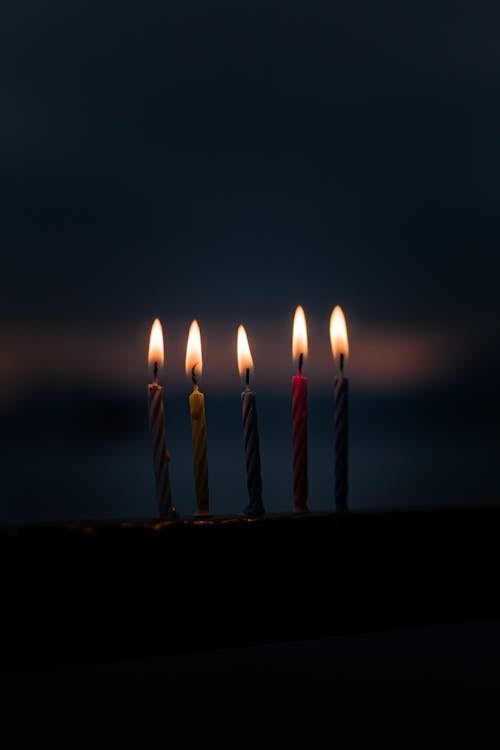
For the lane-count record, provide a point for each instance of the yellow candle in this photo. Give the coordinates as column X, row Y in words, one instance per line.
column 194, row 365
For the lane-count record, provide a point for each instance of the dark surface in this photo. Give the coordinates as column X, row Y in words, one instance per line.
column 425, row 687
column 99, row 592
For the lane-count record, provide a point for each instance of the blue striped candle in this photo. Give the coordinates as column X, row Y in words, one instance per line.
column 340, row 350
column 341, row 435
column 255, row 506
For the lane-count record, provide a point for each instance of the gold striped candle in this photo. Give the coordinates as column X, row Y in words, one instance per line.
column 194, row 366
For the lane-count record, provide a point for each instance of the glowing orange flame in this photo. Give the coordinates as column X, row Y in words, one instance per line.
column 193, row 349
column 245, row 361
column 338, row 333
column 156, row 352
column 299, row 337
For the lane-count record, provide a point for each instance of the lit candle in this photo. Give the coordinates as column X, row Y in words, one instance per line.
column 340, row 350
column 194, row 366
column 299, row 414
column 161, row 457
column 255, row 506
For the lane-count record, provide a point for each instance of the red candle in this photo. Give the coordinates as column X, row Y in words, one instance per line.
column 299, row 414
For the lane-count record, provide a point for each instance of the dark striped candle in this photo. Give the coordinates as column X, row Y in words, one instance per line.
column 341, row 441
column 299, row 442
column 161, row 456
column 340, row 348
column 255, row 505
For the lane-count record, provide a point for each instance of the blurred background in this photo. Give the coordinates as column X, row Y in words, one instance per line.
column 228, row 162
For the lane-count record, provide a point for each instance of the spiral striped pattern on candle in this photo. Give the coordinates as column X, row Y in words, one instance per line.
column 299, row 438
column 255, row 506
column 341, row 434
column 200, row 458
column 160, row 455
column 201, row 471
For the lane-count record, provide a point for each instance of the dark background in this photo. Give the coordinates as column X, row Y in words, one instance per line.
column 228, row 161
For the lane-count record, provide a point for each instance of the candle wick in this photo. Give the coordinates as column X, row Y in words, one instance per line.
column 247, row 377
column 342, row 363
column 301, row 362
column 193, row 375
column 155, row 373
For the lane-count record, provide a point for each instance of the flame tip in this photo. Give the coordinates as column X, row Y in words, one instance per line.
column 299, row 335
column 193, row 349
column 338, row 333
column 156, row 353
column 244, row 355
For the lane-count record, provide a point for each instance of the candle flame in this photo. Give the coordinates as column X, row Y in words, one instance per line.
column 193, row 349
column 299, row 337
column 245, row 361
column 156, row 352
column 338, row 333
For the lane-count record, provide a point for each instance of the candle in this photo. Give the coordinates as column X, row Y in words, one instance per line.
column 340, row 350
column 161, row 457
column 299, row 414
column 255, row 505
column 194, row 366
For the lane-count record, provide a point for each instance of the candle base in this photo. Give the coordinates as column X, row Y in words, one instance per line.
column 251, row 512
column 170, row 515
column 203, row 514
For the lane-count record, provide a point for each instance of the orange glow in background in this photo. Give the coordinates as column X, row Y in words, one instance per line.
column 383, row 359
